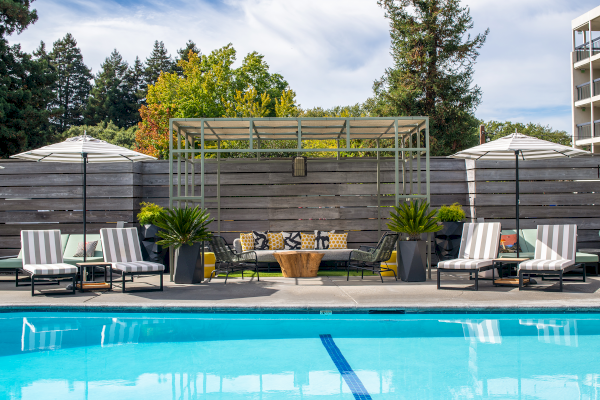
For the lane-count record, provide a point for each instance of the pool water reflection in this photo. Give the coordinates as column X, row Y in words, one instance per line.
column 269, row 356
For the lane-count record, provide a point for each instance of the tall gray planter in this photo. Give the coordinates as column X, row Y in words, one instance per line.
column 188, row 264
column 411, row 260
column 447, row 240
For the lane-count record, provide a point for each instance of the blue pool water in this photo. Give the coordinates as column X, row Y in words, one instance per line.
column 284, row 356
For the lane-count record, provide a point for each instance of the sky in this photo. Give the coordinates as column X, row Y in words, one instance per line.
column 331, row 51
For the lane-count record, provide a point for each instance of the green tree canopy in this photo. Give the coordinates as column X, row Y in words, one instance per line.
column 159, row 61
column 72, row 86
column 433, row 70
column 107, row 131
column 113, row 97
column 496, row 129
column 25, row 85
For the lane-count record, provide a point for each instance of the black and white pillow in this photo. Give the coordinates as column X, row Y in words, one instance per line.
column 322, row 240
column 292, row 240
column 261, row 241
column 90, row 249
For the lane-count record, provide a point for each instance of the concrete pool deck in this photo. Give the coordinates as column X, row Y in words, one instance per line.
column 313, row 294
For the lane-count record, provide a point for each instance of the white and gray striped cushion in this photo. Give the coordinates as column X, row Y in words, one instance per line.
column 41, row 247
column 120, row 245
column 480, row 241
column 50, row 269
column 555, row 248
column 138, row 266
column 463, row 263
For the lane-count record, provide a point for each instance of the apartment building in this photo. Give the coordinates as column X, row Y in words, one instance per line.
column 585, row 80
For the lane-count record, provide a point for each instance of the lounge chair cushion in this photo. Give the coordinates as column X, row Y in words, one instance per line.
column 464, row 263
column 50, row 269
column 579, row 257
column 138, row 266
column 545, row 265
column 11, row 263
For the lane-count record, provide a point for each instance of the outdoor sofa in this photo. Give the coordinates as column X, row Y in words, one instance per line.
column 267, row 256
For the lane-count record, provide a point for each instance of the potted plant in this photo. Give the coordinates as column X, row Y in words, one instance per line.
column 185, row 229
column 414, row 219
column 147, row 217
column 447, row 240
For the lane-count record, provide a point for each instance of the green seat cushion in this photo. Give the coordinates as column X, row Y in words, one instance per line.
column 71, row 248
column 75, row 260
column 11, row 263
column 523, row 254
column 586, row 258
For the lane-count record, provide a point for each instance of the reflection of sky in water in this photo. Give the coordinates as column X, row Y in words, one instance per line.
column 180, row 356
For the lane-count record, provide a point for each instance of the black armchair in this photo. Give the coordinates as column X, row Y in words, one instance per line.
column 227, row 261
column 371, row 258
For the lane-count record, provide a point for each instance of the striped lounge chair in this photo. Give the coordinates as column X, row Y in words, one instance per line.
column 478, row 248
column 43, row 258
column 121, row 247
column 555, row 252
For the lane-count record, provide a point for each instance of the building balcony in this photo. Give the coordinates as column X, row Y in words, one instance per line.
column 582, row 52
column 584, row 131
column 584, row 91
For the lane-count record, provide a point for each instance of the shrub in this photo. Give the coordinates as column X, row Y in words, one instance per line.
column 413, row 218
column 149, row 213
column 453, row 213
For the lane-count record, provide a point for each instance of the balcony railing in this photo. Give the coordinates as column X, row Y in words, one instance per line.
column 583, row 91
column 583, row 51
column 584, row 131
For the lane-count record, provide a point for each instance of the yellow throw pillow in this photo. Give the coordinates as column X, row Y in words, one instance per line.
column 338, row 240
column 247, row 240
column 308, row 241
column 275, row 240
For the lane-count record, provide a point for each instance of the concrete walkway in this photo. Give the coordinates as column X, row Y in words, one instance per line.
column 322, row 293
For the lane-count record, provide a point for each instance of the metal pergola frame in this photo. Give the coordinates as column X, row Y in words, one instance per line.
column 189, row 136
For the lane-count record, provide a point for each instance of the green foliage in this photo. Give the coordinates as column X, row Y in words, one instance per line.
column 496, row 130
column 72, row 86
column 181, row 226
column 107, row 131
column 414, row 219
column 25, row 85
column 433, row 70
column 453, row 213
column 114, row 96
column 149, row 213
column 159, row 61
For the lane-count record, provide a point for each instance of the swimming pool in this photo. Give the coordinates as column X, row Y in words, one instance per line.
column 54, row 355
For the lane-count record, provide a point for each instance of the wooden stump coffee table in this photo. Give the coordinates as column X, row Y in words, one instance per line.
column 299, row 264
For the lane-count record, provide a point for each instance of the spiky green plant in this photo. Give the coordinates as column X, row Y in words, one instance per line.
column 181, row 226
column 414, row 219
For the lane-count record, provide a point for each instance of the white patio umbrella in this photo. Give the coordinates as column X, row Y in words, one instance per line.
column 83, row 149
column 515, row 146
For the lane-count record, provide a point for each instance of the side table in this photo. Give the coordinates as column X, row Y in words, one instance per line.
column 299, row 264
column 107, row 284
column 500, row 263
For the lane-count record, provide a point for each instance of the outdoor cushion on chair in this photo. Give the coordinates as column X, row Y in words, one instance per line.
column 138, row 266
column 464, row 263
column 545, row 265
column 50, row 269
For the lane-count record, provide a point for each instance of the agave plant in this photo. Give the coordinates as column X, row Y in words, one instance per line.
column 181, row 226
column 414, row 219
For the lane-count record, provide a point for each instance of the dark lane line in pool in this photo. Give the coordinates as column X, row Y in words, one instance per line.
column 356, row 387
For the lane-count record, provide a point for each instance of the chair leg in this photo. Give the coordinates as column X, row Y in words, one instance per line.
column 395, row 276
column 17, row 277
column 257, row 274
column 584, row 272
column 380, row 276
column 242, row 274
column 520, row 280
column 226, row 276
column 560, row 277
column 362, row 274
column 476, row 280
column 439, row 271
column 32, row 285
column 347, row 272
column 74, row 282
column 161, row 281
column 123, row 288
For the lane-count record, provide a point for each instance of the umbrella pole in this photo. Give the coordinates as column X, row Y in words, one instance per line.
column 517, row 191
column 85, row 155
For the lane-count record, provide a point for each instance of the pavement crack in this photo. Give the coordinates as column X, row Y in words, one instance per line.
column 342, row 290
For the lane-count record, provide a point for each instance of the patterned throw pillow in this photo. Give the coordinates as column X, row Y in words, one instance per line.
column 308, row 241
column 338, row 240
column 292, row 240
column 275, row 241
column 261, row 240
column 90, row 248
column 247, row 240
column 322, row 240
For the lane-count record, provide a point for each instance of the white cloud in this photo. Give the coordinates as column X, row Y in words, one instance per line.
column 331, row 51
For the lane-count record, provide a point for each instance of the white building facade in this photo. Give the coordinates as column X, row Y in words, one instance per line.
column 585, row 80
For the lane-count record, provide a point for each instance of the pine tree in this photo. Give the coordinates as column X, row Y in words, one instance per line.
column 113, row 96
column 25, row 85
column 159, row 61
column 72, row 88
column 138, row 81
column 433, row 70
column 184, row 54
